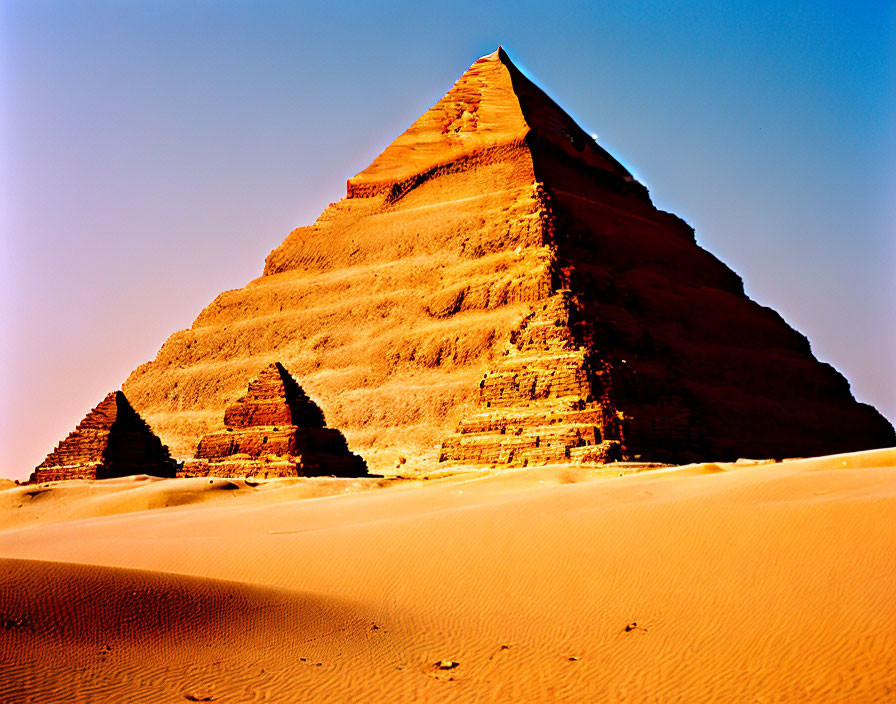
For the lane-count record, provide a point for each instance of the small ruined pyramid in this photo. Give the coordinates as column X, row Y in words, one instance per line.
column 496, row 289
column 111, row 441
column 275, row 430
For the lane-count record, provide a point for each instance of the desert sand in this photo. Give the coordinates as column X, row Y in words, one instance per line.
column 743, row 582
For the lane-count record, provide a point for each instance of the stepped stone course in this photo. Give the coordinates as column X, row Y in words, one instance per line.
column 275, row 430
column 111, row 441
column 497, row 289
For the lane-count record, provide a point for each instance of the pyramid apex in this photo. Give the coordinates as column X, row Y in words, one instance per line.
column 493, row 106
column 273, row 368
column 273, row 398
column 112, row 403
column 277, row 369
column 499, row 55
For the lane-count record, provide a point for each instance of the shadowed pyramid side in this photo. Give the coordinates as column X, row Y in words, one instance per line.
column 673, row 361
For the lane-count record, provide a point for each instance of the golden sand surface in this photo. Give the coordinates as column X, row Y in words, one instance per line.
column 741, row 582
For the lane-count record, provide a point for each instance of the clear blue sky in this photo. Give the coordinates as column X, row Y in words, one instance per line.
column 153, row 153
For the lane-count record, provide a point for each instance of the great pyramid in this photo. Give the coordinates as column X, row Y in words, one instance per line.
column 495, row 288
column 111, row 441
column 275, row 430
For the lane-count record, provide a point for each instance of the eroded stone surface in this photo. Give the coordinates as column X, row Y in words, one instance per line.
column 275, row 430
column 111, row 441
column 498, row 281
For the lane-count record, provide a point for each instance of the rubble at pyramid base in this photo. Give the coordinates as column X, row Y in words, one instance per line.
column 86, row 470
column 274, row 452
column 275, row 467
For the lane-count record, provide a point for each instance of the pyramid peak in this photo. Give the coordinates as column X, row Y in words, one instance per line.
column 278, row 373
column 115, row 396
column 275, row 368
column 500, row 54
column 108, row 410
column 121, row 401
column 273, row 397
column 491, row 108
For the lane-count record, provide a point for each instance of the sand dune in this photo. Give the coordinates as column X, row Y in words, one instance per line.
column 105, row 634
column 746, row 582
column 55, row 502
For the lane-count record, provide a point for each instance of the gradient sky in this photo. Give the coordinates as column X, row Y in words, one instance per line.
column 153, row 153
